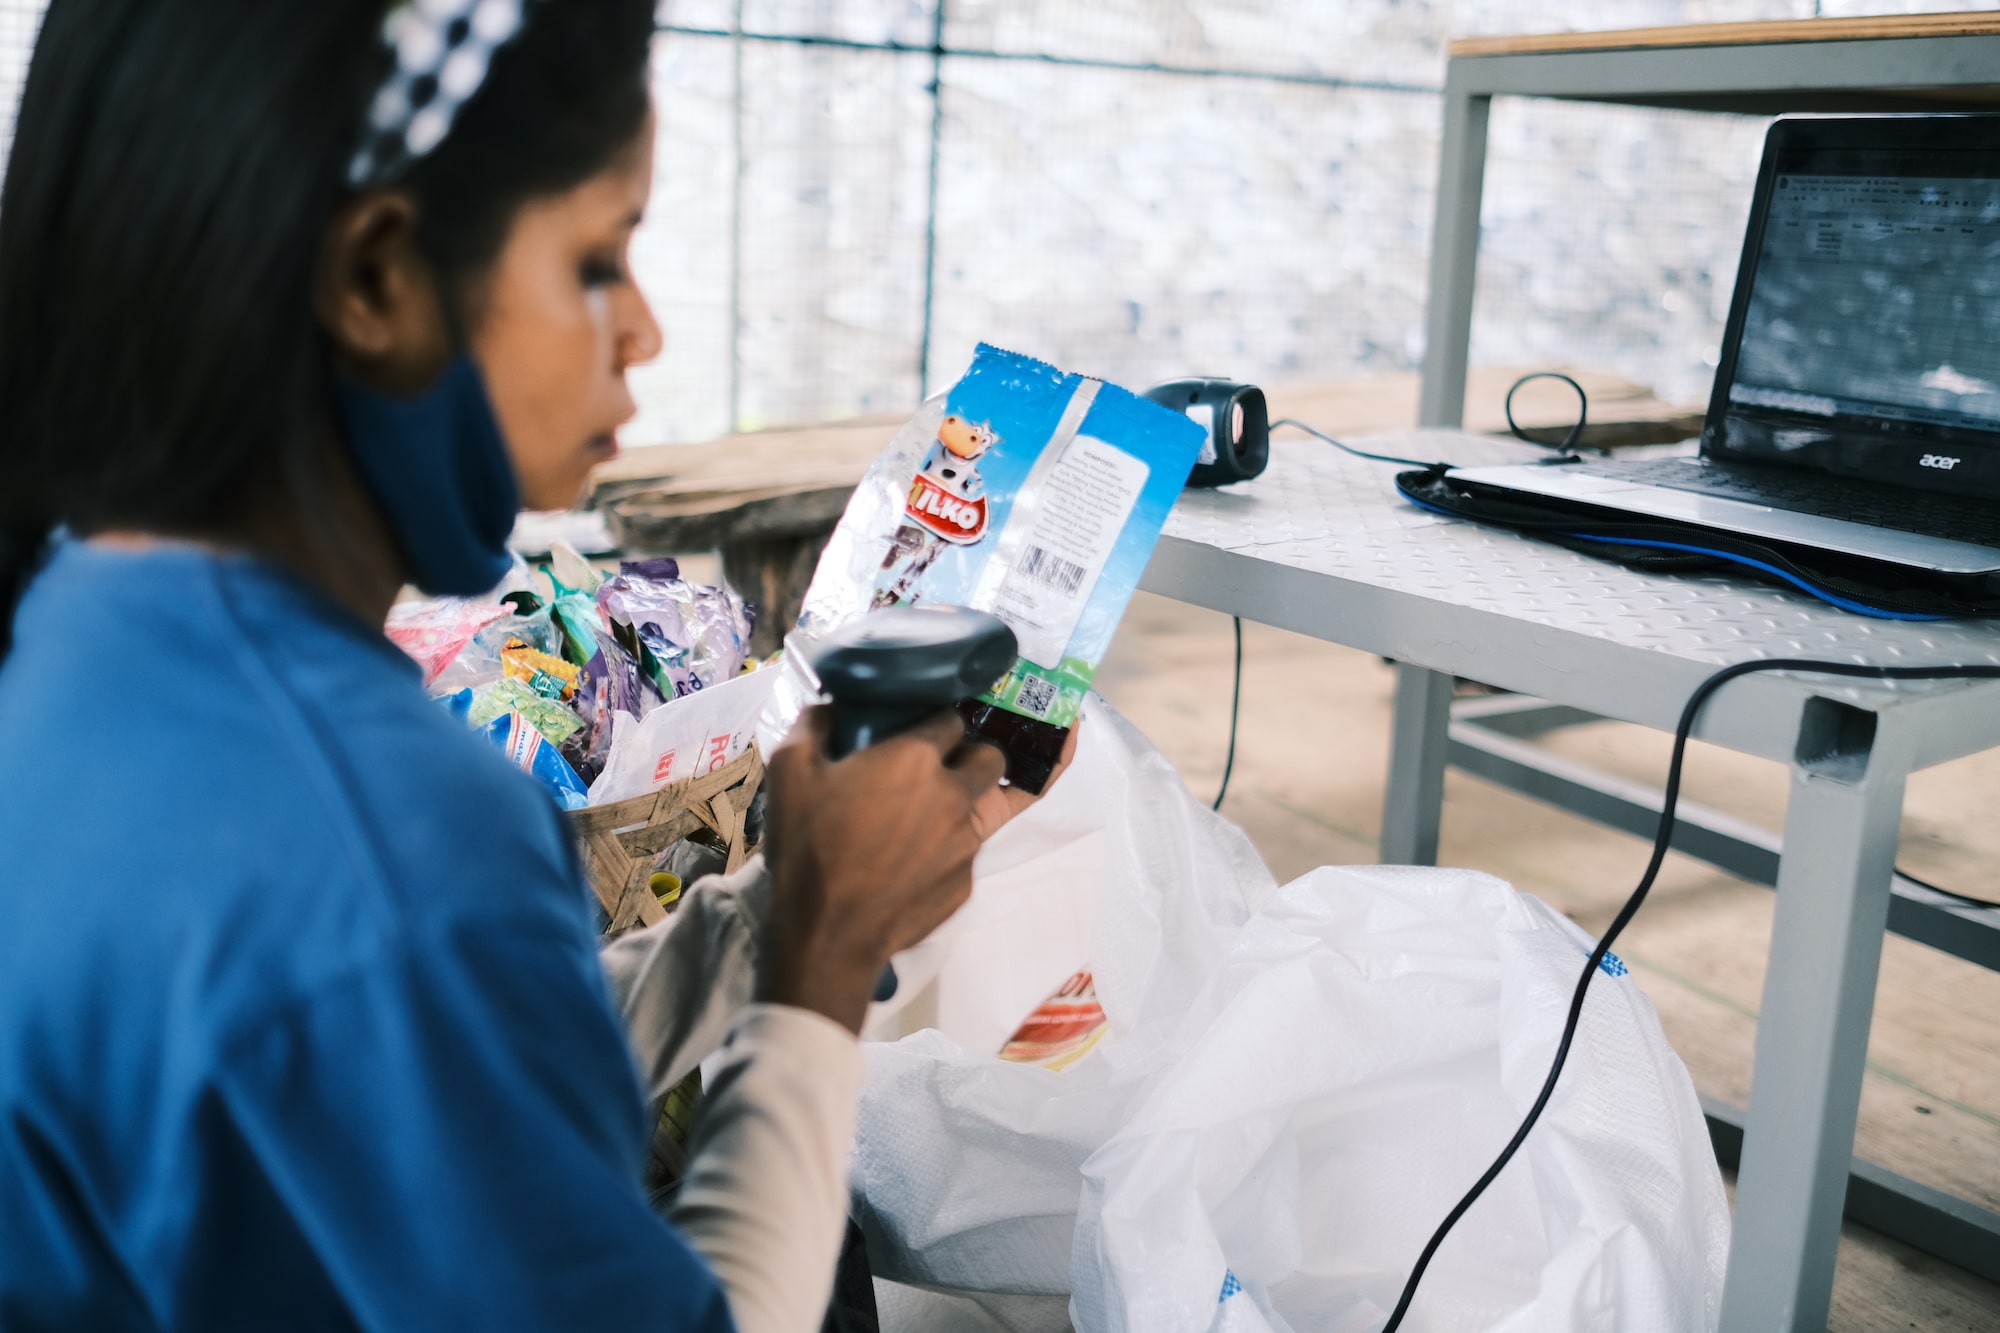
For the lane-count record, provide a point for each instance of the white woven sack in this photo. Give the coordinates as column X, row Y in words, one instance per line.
column 1300, row 1083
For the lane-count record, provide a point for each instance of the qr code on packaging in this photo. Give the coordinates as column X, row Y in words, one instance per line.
column 1036, row 696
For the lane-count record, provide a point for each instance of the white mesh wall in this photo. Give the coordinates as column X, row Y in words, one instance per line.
column 1145, row 225
column 1148, row 188
column 1142, row 189
column 18, row 21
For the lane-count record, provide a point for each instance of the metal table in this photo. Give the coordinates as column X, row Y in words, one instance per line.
column 1779, row 1279
column 1916, row 62
column 1321, row 545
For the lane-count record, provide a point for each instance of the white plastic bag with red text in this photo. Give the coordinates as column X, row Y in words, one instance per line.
column 1300, row 1082
column 682, row 738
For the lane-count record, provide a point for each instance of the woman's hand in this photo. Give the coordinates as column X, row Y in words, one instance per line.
column 868, row 854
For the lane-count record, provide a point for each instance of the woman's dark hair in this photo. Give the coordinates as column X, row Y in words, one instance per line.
column 174, row 168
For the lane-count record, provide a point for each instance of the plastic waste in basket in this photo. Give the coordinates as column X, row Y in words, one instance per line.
column 1300, row 1082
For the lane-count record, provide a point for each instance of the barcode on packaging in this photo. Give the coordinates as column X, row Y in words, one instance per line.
column 1065, row 540
column 1052, row 571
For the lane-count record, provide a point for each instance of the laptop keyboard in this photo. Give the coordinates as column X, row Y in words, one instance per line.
column 1925, row 512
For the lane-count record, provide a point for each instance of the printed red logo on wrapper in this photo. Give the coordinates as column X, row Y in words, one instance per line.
column 665, row 766
column 718, row 752
column 941, row 512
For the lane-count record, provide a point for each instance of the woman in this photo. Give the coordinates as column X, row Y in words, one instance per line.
column 301, row 1024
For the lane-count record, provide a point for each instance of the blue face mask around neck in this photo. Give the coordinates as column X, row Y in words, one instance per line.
column 438, row 467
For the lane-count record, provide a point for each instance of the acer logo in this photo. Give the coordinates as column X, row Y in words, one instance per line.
column 1942, row 462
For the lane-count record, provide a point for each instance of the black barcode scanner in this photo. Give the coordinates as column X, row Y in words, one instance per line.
column 889, row 671
column 1238, row 422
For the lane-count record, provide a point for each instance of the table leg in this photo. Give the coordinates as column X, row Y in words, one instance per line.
column 772, row 573
column 1419, row 742
column 1812, row 1035
column 1454, row 257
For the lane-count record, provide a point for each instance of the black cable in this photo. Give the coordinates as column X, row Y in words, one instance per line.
column 1569, row 444
column 1661, row 842
column 1966, row 898
column 1235, row 712
column 1567, row 448
column 1348, row 448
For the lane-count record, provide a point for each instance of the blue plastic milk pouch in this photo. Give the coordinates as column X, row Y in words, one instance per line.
column 1023, row 491
column 531, row 752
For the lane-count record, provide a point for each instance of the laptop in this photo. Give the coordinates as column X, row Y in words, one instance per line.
column 1856, row 407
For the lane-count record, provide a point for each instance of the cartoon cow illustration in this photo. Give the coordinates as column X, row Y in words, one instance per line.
column 946, row 507
column 953, row 460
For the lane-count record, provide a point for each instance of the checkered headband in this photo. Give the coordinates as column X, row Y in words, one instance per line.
column 443, row 49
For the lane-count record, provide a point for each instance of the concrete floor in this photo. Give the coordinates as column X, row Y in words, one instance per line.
column 1310, row 762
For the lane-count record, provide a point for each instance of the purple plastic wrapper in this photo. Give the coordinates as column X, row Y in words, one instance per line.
column 596, row 700
column 659, row 567
column 631, row 690
column 696, row 636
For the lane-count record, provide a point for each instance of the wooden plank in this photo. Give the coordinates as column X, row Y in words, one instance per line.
column 1760, row 33
column 666, row 521
column 1621, row 412
column 774, row 484
column 769, row 501
column 767, row 461
column 773, row 573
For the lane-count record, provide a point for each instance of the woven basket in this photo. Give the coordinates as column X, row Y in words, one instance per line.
column 621, row 841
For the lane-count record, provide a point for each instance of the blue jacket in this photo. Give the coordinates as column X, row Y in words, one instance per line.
column 301, row 1020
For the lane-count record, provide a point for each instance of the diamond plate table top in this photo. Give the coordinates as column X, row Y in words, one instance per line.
column 1322, row 544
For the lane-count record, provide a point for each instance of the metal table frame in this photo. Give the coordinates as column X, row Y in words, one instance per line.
column 1848, row 770
column 1322, row 546
column 1492, row 738
column 1763, row 77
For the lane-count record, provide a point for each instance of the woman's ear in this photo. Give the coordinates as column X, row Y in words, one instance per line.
column 377, row 298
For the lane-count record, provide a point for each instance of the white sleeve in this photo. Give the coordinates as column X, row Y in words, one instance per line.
column 679, row 985
column 765, row 1199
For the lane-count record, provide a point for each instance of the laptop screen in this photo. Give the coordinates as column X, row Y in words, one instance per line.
column 1865, row 338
